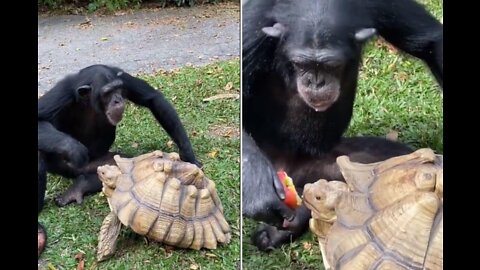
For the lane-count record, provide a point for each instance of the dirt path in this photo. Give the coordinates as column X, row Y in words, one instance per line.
column 138, row 42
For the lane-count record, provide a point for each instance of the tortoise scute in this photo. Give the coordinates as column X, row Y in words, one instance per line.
column 390, row 217
column 167, row 200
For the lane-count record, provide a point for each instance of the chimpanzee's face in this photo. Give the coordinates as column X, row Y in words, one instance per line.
column 317, row 75
column 318, row 54
column 114, row 105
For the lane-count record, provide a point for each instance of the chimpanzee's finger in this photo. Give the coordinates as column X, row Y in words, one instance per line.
column 278, row 187
column 284, row 211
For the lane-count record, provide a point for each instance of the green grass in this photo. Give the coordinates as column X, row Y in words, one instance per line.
column 395, row 92
column 212, row 127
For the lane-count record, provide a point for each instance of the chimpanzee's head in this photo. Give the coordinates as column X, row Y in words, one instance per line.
column 105, row 98
column 319, row 44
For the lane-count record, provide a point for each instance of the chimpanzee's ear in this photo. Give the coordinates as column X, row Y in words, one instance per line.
column 275, row 31
column 365, row 34
column 83, row 92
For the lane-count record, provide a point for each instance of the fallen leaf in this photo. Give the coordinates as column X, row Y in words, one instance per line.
column 81, row 265
column 168, row 251
column 392, row 135
column 169, row 144
column 402, row 76
column 211, row 255
column 212, row 154
column 222, row 96
column 81, row 262
column 307, row 246
column 104, row 39
column 135, row 145
column 228, row 86
column 228, row 134
column 193, row 266
column 87, row 22
column 79, row 256
column 382, row 43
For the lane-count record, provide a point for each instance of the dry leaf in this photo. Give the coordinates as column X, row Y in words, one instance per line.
column 81, row 265
column 79, row 256
column 222, row 96
column 81, row 262
column 228, row 134
column 228, row 86
column 193, row 266
column 168, row 251
column 211, row 255
column 85, row 24
column 212, row 154
column 392, row 135
column 135, row 145
column 307, row 246
column 169, row 144
column 104, row 39
column 402, row 76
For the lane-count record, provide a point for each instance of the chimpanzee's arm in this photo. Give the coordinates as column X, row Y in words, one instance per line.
column 262, row 192
column 410, row 27
column 141, row 93
column 51, row 140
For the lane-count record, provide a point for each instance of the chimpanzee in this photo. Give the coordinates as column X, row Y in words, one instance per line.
column 300, row 69
column 77, row 121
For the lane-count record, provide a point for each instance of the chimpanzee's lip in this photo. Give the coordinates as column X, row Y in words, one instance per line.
column 321, row 106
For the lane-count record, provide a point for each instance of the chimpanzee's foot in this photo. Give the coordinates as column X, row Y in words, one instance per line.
column 82, row 185
column 42, row 239
column 267, row 237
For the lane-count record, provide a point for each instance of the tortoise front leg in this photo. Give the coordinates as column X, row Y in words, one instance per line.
column 107, row 239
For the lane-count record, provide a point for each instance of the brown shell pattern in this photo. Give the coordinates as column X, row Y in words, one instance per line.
column 169, row 201
column 389, row 215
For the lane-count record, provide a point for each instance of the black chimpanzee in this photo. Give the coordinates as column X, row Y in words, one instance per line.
column 300, row 70
column 77, row 121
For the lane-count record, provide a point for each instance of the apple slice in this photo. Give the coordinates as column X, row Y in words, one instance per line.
column 292, row 199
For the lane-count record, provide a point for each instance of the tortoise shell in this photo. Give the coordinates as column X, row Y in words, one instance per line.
column 165, row 199
column 388, row 215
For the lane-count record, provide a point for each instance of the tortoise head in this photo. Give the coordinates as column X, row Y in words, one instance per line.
column 108, row 174
column 321, row 197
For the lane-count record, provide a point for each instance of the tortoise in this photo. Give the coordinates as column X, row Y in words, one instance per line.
column 163, row 198
column 388, row 215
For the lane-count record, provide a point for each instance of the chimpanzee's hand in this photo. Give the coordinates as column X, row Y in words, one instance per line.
column 75, row 153
column 262, row 192
column 188, row 156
